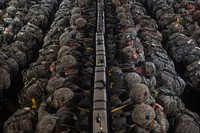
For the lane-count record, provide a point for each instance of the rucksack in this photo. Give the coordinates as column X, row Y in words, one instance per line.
column 49, row 53
column 19, row 56
column 57, row 122
column 149, row 33
column 53, row 36
column 159, row 57
column 35, row 88
column 179, row 47
column 9, row 64
column 170, row 103
column 37, row 16
column 186, row 121
column 148, row 22
column 23, row 120
column 168, row 76
column 37, row 70
column 192, row 56
column 192, row 75
column 116, row 79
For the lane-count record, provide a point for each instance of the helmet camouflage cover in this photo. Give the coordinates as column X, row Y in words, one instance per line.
column 132, row 79
column 143, row 115
column 139, row 93
column 11, row 10
column 80, row 22
column 150, row 68
column 63, row 95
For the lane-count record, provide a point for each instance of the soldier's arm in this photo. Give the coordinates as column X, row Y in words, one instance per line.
column 42, row 111
column 163, row 124
column 156, row 127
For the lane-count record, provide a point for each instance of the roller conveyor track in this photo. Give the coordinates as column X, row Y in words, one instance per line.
column 100, row 107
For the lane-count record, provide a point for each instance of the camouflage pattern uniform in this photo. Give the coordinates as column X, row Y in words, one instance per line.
column 23, row 120
column 63, row 119
column 148, row 119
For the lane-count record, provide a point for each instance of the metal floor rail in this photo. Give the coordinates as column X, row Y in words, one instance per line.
column 99, row 114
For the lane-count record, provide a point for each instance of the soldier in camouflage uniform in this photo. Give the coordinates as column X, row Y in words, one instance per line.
column 139, row 94
column 66, row 64
column 61, row 121
column 23, row 120
column 132, row 57
column 131, row 79
column 73, row 18
column 147, row 119
column 9, row 23
column 147, row 72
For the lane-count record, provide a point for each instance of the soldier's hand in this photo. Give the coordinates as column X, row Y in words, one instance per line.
column 158, row 108
column 52, row 67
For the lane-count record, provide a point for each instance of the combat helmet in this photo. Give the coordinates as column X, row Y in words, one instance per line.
column 76, row 10
column 139, row 93
column 125, row 23
column 11, row 10
column 63, row 95
column 120, row 9
column 121, row 16
column 74, row 17
column 64, row 38
column 130, row 52
column 126, row 7
column 64, row 50
column 68, row 60
column 133, row 31
column 150, row 68
column 143, row 115
column 80, row 22
column 132, row 79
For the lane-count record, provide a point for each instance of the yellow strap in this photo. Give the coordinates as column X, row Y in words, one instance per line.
column 116, row 96
column 26, row 84
column 178, row 20
column 34, row 103
column 111, row 85
column 88, row 92
column 89, row 48
column 155, row 92
column 82, row 109
column 121, row 107
column 132, row 126
column 114, row 68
